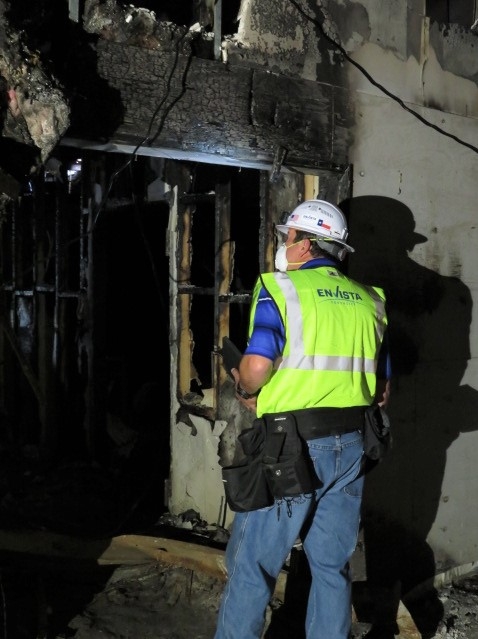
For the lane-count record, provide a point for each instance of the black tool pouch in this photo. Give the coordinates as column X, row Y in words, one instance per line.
column 245, row 485
column 288, row 467
column 377, row 438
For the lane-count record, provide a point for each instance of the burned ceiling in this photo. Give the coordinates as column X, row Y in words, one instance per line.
column 130, row 79
column 48, row 79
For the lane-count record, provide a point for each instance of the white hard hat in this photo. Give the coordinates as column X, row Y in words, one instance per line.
column 321, row 218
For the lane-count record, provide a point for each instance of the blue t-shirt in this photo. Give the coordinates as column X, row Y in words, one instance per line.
column 268, row 335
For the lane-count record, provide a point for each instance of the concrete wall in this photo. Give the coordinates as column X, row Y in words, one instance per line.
column 402, row 165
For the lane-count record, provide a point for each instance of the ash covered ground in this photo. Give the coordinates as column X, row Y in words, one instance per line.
column 51, row 598
column 157, row 602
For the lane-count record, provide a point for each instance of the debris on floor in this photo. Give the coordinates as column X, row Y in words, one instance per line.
column 63, row 575
column 152, row 602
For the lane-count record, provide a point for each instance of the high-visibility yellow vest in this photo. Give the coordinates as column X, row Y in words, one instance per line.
column 333, row 327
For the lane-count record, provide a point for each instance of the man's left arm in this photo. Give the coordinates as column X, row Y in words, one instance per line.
column 384, row 375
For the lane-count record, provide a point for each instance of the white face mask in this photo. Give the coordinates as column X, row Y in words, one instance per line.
column 281, row 262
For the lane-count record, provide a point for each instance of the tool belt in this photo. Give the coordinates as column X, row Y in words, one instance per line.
column 278, row 464
column 313, row 423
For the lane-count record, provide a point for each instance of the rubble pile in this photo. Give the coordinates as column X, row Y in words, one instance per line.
column 460, row 602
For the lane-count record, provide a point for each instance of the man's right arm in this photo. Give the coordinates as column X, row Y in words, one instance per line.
column 265, row 345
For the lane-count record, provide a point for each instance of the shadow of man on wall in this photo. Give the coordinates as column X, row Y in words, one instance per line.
column 429, row 326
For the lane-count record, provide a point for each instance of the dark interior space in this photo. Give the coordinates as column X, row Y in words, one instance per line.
column 136, row 355
column 89, row 311
column 92, row 296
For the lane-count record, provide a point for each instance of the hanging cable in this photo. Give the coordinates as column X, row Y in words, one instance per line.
column 147, row 140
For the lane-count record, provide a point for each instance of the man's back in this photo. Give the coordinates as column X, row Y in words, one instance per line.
column 333, row 329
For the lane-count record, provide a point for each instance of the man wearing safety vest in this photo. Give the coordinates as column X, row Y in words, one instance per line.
column 315, row 352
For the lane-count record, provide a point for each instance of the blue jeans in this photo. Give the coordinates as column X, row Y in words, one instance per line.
column 327, row 521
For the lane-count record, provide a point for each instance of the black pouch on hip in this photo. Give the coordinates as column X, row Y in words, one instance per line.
column 288, row 467
column 245, row 485
column 377, row 437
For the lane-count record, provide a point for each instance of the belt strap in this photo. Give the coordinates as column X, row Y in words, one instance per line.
column 313, row 423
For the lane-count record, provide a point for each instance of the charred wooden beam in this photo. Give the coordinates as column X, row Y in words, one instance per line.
column 184, row 106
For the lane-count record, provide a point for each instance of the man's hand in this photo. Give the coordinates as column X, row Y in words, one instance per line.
column 382, row 395
column 250, row 404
